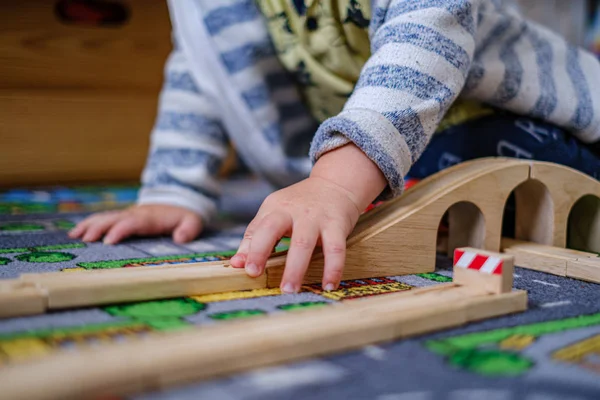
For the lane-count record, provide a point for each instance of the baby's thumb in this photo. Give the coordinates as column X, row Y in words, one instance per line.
column 188, row 229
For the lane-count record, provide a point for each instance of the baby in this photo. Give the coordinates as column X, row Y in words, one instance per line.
column 336, row 102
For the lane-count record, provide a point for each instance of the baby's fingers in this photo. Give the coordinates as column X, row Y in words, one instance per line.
column 83, row 226
column 79, row 229
column 334, row 250
column 98, row 225
column 122, row 230
column 239, row 259
column 303, row 242
column 268, row 232
column 188, row 228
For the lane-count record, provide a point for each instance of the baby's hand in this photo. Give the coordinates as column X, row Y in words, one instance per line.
column 139, row 220
column 313, row 210
column 322, row 209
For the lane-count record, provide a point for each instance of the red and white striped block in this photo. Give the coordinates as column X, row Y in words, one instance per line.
column 486, row 264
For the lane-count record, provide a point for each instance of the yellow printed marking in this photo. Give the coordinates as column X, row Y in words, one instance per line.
column 22, row 349
column 75, row 269
column 517, row 342
column 367, row 290
column 579, row 351
column 60, row 339
column 242, row 294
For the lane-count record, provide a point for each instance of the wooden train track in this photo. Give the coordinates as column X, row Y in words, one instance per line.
column 397, row 238
column 482, row 288
column 554, row 260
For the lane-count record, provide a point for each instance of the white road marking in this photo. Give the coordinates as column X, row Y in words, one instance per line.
column 406, row 396
column 556, row 304
column 162, row 249
column 285, row 378
column 201, row 246
column 476, row 394
column 546, row 283
column 374, row 352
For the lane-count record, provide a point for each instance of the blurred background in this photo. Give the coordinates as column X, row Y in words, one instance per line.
column 79, row 81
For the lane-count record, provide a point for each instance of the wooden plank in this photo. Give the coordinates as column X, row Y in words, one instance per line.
column 540, row 248
column 492, row 306
column 587, row 269
column 38, row 293
column 82, row 289
column 554, row 260
column 208, row 352
column 73, row 136
column 38, row 51
column 531, row 257
column 21, row 298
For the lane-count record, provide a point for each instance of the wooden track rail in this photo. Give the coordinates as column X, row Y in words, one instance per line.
column 554, row 260
column 397, row 238
column 164, row 360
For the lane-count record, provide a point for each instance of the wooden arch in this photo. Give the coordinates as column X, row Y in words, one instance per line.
column 566, row 187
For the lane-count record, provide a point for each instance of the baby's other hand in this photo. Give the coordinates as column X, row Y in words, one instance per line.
column 115, row 226
column 312, row 211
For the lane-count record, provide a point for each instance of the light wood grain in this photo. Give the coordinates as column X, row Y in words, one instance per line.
column 554, row 260
column 79, row 289
column 534, row 213
column 55, row 137
column 466, row 225
column 531, row 257
column 21, row 298
column 587, row 269
column 77, row 103
column 566, row 186
column 537, row 247
column 38, row 51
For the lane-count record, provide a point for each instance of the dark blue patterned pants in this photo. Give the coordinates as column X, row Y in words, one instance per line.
column 506, row 135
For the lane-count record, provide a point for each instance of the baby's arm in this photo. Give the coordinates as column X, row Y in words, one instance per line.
column 179, row 186
column 421, row 55
column 421, row 52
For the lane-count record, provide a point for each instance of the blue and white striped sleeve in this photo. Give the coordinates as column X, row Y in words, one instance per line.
column 188, row 145
column 421, row 52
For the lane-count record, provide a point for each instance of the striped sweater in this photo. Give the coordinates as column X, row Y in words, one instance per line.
column 224, row 84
